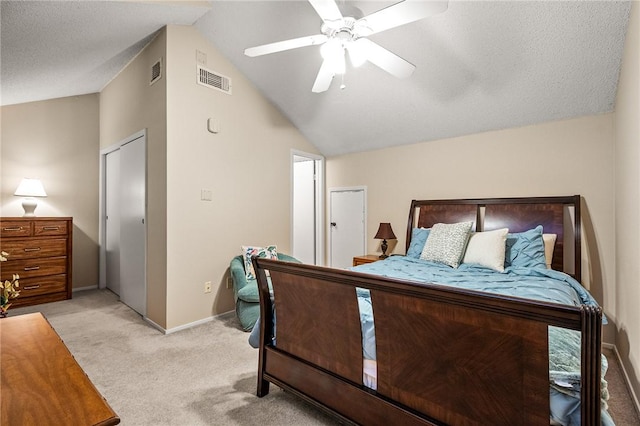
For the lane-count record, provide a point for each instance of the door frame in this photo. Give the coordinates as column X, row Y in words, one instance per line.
column 319, row 201
column 348, row 189
column 102, row 203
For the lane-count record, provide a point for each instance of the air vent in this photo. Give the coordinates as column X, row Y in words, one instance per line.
column 156, row 72
column 214, row 80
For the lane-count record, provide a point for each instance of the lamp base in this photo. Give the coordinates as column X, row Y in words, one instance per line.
column 29, row 205
column 383, row 246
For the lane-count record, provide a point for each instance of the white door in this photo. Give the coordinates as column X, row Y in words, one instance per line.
column 112, row 213
column 347, row 226
column 307, row 207
column 132, row 225
column 304, row 210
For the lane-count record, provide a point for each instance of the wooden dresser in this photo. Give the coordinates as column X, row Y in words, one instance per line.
column 40, row 250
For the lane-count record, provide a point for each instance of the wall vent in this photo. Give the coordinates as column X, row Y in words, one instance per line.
column 214, row 80
column 156, row 72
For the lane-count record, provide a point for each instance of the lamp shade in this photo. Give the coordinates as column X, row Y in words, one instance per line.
column 385, row 232
column 30, row 188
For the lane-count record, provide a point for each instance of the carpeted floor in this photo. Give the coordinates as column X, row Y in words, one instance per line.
column 205, row 375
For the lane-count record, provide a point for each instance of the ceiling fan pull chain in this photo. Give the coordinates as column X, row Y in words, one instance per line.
column 343, row 86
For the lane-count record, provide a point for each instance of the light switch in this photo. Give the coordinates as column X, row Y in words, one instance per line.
column 206, row 195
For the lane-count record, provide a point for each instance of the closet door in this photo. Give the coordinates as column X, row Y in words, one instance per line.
column 133, row 290
column 112, row 212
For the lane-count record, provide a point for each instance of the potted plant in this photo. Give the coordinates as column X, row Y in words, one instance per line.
column 8, row 289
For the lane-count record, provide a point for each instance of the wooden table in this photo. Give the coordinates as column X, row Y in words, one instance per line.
column 41, row 382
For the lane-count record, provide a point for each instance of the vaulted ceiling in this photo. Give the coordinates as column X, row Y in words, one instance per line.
column 480, row 65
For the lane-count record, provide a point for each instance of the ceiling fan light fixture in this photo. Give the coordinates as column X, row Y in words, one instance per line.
column 357, row 53
column 333, row 54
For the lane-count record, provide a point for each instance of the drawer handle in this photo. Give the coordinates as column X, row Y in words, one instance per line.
column 19, row 228
column 28, row 249
column 32, row 287
column 31, row 268
column 50, row 228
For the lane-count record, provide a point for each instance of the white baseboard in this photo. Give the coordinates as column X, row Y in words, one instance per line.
column 634, row 397
column 91, row 287
column 188, row 325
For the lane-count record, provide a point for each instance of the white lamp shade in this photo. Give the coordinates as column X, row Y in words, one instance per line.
column 30, row 188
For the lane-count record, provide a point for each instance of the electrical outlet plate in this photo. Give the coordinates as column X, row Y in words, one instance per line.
column 207, row 287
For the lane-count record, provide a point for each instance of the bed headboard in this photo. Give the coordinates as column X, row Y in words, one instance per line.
column 557, row 215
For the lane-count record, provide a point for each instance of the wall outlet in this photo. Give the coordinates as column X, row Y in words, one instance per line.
column 207, row 287
column 229, row 282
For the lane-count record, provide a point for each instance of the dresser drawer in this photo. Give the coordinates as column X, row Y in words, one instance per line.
column 28, row 268
column 15, row 228
column 32, row 248
column 49, row 227
column 42, row 285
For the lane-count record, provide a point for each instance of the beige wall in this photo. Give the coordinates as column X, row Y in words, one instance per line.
column 129, row 104
column 627, row 204
column 558, row 158
column 58, row 142
column 246, row 166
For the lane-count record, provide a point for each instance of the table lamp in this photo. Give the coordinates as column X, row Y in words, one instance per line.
column 30, row 188
column 384, row 233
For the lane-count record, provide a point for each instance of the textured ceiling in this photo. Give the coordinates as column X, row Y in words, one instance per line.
column 481, row 65
column 52, row 49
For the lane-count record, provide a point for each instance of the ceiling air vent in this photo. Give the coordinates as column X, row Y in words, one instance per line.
column 214, row 80
column 156, row 72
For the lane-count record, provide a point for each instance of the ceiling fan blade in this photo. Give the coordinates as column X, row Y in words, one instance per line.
column 399, row 14
column 327, row 9
column 324, row 78
column 384, row 59
column 279, row 46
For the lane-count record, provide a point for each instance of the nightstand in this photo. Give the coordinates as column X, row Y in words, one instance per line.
column 367, row 258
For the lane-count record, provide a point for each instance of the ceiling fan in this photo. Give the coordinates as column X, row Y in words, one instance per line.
column 341, row 34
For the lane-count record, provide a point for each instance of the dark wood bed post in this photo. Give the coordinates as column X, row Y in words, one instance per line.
column 577, row 271
column 266, row 327
column 590, row 365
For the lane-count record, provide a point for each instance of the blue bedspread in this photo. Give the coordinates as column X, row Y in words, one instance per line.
column 531, row 283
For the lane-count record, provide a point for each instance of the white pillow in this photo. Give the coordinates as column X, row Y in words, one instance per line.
column 549, row 245
column 487, row 249
column 446, row 243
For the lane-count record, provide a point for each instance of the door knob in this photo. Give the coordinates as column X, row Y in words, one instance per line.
column 333, row 224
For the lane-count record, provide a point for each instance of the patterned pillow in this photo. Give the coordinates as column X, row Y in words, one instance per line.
column 487, row 249
column 249, row 251
column 525, row 249
column 418, row 238
column 446, row 243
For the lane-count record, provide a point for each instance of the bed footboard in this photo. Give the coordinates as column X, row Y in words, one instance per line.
column 444, row 355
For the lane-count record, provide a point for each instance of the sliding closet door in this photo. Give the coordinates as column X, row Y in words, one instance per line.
column 112, row 213
column 132, row 225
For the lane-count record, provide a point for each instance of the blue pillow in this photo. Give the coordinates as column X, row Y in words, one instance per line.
column 418, row 239
column 525, row 249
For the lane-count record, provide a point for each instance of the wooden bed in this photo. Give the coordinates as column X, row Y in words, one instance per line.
column 482, row 358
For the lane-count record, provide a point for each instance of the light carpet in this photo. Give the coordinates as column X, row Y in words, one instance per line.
column 204, row 375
